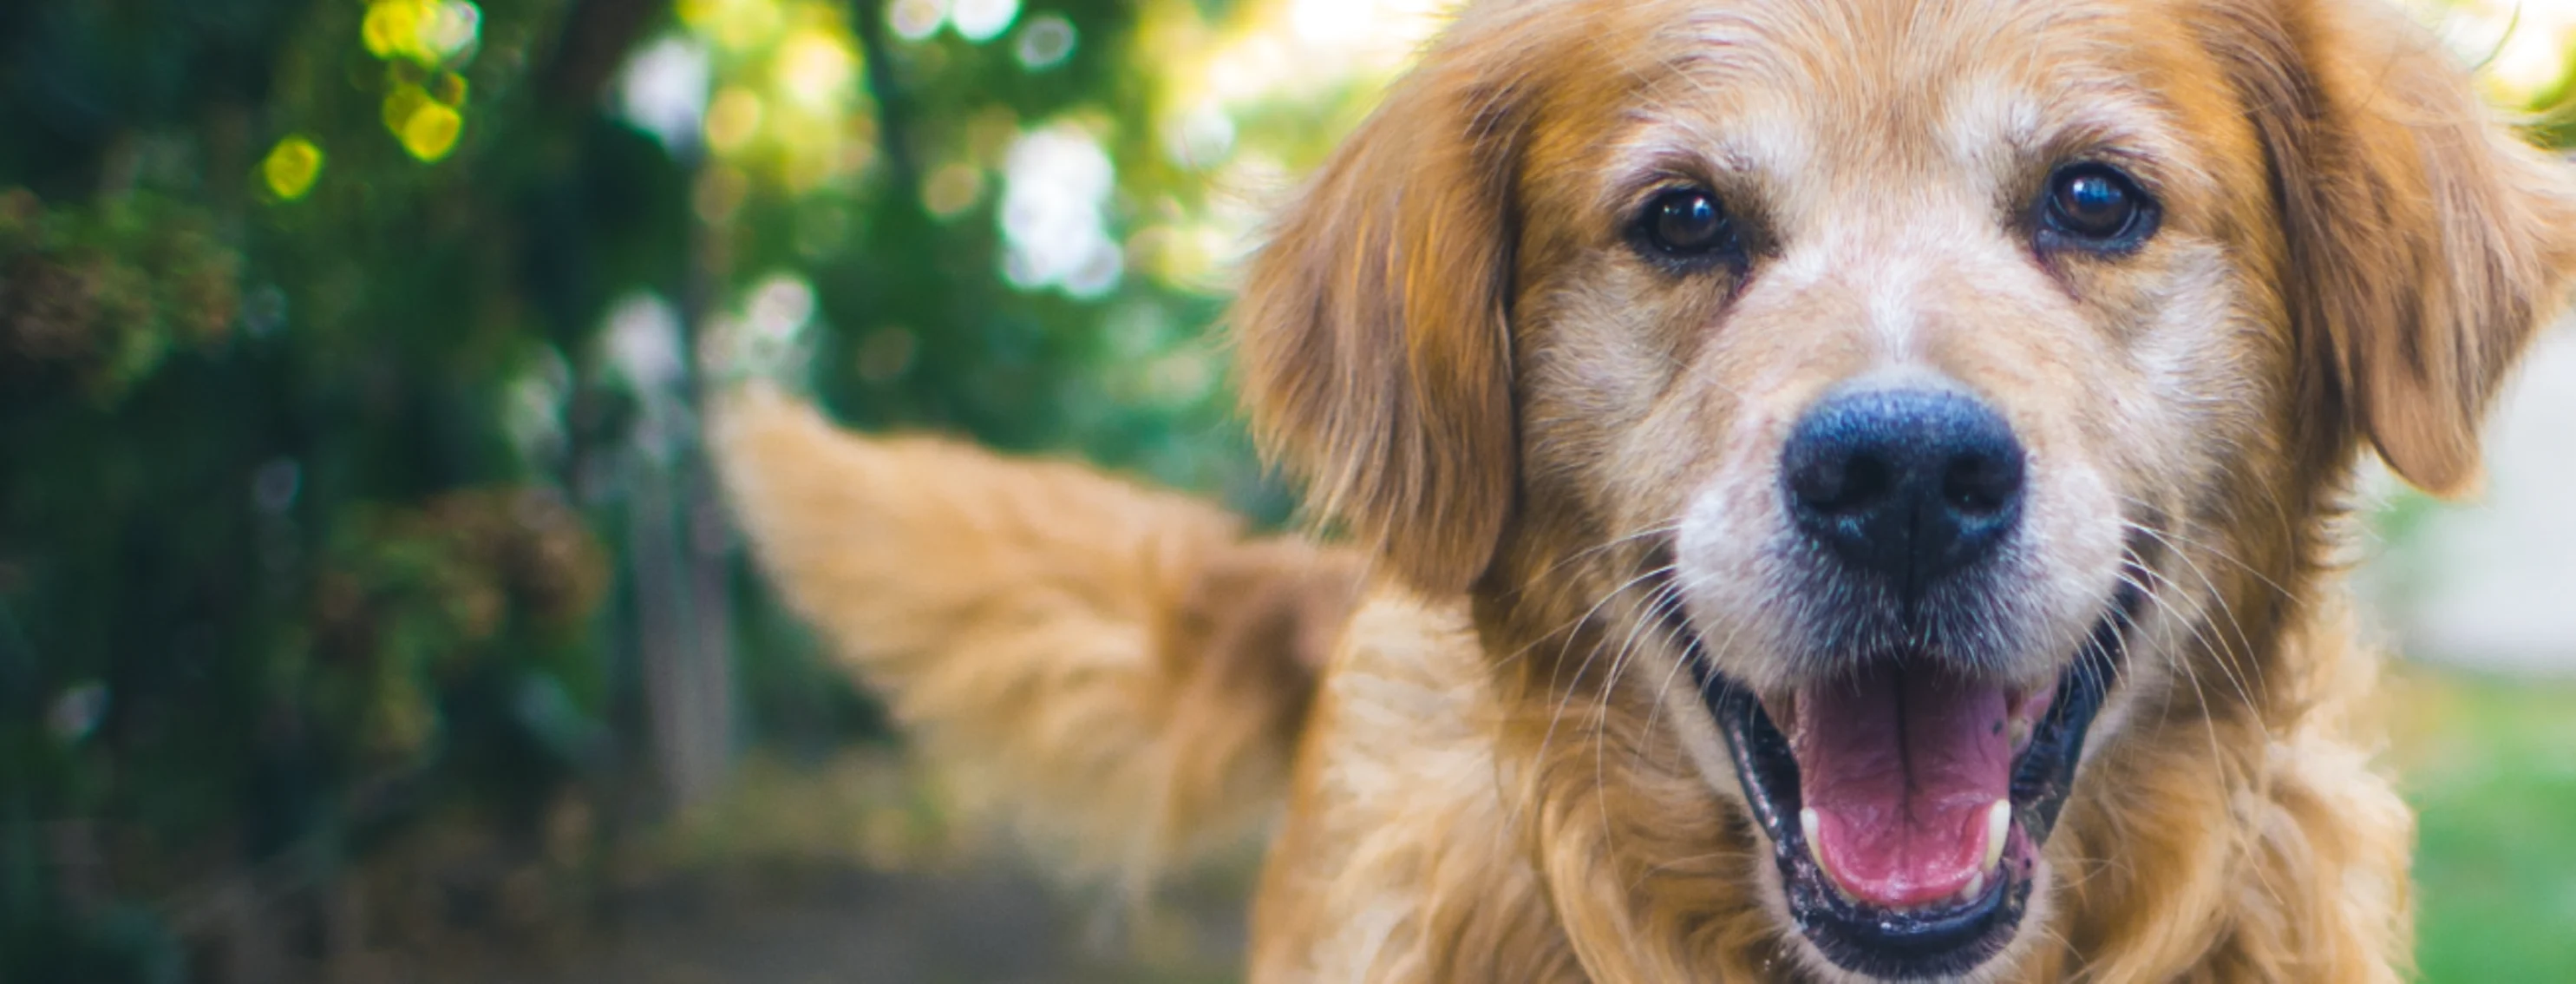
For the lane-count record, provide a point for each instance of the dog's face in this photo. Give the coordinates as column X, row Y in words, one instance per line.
column 1896, row 360
column 1919, row 379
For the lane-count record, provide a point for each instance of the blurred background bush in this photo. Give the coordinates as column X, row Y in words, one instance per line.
column 366, row 612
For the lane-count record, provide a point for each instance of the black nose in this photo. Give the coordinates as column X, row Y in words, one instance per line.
column 1907, row 484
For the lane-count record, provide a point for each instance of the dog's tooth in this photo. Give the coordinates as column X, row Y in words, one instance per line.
column 2020, row 733
column 1998, row 826
column 1807, row 823
column 1976, row 886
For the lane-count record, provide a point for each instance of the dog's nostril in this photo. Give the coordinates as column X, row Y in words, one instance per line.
column 1840, row 485
column 1982, row 484
column 1906, row 484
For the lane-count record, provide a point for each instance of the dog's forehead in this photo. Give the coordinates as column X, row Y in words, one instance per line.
column 1816, row 87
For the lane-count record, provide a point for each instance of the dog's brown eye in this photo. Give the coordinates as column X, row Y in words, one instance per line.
column 2096, row 207
column 1687, row 223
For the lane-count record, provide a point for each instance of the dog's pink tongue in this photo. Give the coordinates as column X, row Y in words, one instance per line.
column 1903, row 770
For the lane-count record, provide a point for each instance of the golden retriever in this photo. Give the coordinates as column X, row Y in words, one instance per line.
column 1837, row 490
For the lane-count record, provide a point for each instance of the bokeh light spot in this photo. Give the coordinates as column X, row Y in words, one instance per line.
column 449, row 30
column 390, row 26
column 291, row 167
column 732, row 119
column 1056, row 187
column 77, row 712
column 952, row 189
column 432, row 130
column 426, row 127
column 2521, row 47
column 914, row 20
column 814, row 69
column 983, row 20
column 768, row 338
column 1203, row 137
column 734, row 25
column 1045, row 42
column 425, row 32
column 663, row 90
column 642, row 343
column 780, row 306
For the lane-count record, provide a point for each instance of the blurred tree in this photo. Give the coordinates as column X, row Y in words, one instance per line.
column 348, row 375
column 267, row 271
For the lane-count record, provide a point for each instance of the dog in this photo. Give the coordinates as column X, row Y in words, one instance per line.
column 1831, row 490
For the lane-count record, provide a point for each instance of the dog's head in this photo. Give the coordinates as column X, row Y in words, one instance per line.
column 1919, row 378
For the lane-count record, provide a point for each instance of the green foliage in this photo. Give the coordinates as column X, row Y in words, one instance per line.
column 2485, row 763
column 98, row 297
column 332, row 495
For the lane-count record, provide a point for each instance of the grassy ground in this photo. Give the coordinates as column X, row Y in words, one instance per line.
column 2490, row 765
column 846, row 873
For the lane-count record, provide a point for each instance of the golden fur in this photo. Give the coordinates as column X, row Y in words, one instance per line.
column 1498, row 777
column 1118, row 671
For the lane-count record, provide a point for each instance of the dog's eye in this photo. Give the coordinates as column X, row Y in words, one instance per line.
column 2096, row 207
column 1687, row 223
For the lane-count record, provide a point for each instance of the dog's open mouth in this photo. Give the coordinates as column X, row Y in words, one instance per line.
column 1906, row 803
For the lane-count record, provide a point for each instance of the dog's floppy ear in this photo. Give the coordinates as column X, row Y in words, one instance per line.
column 2426, row 244
column 1374, row 328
